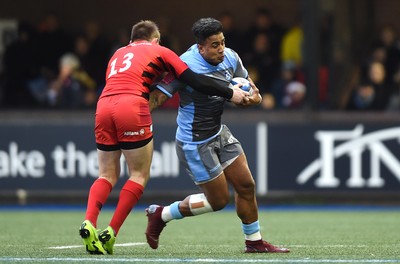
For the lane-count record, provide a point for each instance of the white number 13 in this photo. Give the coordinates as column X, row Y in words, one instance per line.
column 127, row 64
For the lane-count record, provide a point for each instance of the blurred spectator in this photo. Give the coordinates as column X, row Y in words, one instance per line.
column 264, row 62
column 292, row 45
column 326, row 38
column 379, row 75
column 373, row 93
column 263, row 23
column 232, row 35
column 81, row 50
column 362, row 97
column 292, row 50
column 268, row 100
column 389, row 42
column 288, row 91
column 122, row 39
column 326, row 60
column 379, row 55
column 294, row 95
column 51, row 43
column 73, row 88
column 98, row 53
column 168, row 38
column 394, row 102
column 18, row 68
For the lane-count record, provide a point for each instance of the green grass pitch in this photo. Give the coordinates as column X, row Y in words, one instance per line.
column 313, row 236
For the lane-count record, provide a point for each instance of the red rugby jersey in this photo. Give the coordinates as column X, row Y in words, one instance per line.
column 133, row 68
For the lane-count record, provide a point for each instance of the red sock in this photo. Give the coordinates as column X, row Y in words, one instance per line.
column 128, row 197
column 98, row 195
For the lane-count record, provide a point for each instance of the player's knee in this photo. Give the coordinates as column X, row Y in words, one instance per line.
column 247, row 189
column 220, row 203
column 140, row 177
column 250, row 185
column 113, row 179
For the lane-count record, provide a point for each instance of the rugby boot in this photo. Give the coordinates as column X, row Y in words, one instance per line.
column 107, row 238
column 154, row 225
column 90, row 239
column 261, row 246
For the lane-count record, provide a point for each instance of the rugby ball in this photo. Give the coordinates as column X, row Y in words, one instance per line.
column 245, row 84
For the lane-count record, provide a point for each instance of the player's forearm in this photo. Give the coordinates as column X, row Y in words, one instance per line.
column 156, row 99
column 205, row 84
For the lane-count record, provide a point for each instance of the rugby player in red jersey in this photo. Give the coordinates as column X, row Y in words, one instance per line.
column 123, row 126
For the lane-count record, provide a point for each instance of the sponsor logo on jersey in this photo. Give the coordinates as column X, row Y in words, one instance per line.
column 135, row 133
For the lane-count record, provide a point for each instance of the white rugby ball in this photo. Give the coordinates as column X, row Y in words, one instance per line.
column 245, row 84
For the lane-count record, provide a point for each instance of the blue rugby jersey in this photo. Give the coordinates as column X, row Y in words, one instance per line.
column 199, row 115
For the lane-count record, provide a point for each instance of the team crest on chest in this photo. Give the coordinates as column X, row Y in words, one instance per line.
column 228, row 76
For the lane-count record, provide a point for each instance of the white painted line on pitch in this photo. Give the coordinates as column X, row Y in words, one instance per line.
column 304, row 246
column 331, row 246
column 206, row 260
column 289, row 246
column 131, row 244
column 65, row 247
column 117, row 245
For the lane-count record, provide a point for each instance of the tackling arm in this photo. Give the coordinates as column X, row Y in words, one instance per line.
column 156, row 99
column 205, row 84
column 208, row 86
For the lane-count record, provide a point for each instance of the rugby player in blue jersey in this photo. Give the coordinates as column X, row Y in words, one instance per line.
column 207, row 149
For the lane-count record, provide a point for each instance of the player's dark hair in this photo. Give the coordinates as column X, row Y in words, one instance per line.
column 145, row 30
column 205, row 27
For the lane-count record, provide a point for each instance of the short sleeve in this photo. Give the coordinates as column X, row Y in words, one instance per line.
column 240, row 70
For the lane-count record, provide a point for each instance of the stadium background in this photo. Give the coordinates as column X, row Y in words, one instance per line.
column 280, row 145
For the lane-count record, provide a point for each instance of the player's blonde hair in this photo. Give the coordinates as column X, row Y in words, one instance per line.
column 145, row 30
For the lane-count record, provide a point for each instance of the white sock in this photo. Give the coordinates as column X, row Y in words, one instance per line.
column 253, row 237
column 166, row 215
column 171, row 212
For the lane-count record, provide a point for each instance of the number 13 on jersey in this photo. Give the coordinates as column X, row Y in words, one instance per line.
column 126, row 64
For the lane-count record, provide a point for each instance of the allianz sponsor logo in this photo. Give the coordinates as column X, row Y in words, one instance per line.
column 134, row 133
column 353, row 146
column 137, row 133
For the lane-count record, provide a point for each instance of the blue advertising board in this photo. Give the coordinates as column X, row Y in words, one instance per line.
column 283, row 156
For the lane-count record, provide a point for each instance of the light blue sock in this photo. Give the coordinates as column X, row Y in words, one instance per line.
column 252, row 228
column 252, row 231
column 174, row 209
